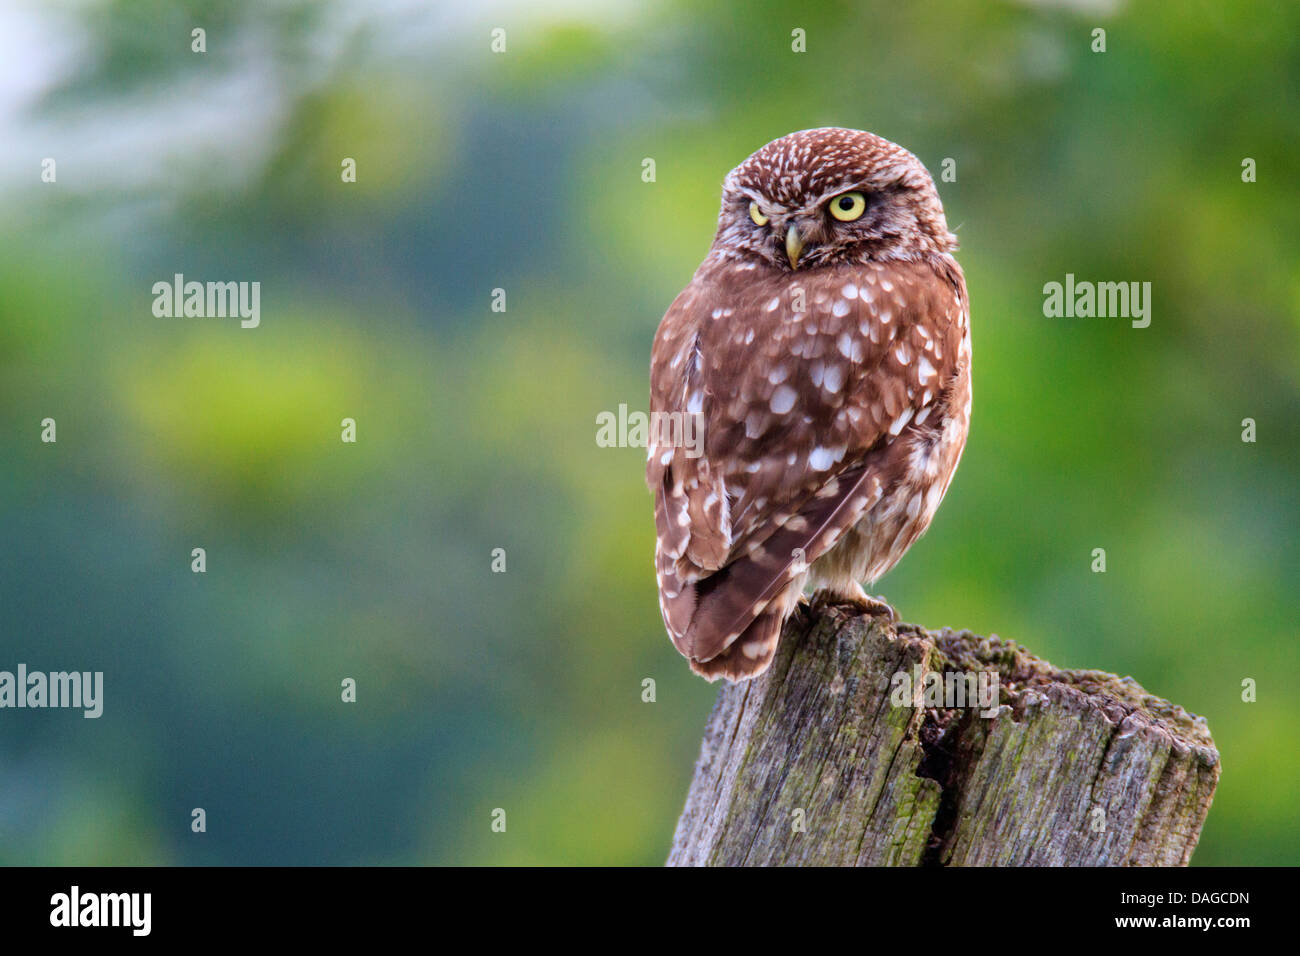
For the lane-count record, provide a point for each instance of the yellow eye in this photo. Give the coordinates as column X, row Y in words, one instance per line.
column 756, row 214
column 848, row 206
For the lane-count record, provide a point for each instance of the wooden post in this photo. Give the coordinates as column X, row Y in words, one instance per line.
column 827, row 759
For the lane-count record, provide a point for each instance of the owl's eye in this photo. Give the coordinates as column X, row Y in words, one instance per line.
column 848, row 206
column 756, row 214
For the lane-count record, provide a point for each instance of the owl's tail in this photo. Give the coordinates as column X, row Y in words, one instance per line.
column 751, row 653
column 735, row 600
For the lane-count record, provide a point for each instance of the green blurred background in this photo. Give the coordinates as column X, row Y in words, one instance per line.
column 476, row 429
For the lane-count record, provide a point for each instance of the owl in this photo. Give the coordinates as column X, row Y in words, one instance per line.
column 810, row 393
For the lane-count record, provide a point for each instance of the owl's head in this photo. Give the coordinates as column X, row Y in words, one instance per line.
column 825, row 196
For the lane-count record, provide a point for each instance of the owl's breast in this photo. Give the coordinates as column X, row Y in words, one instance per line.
column 915, row 473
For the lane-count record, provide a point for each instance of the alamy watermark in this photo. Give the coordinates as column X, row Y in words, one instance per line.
column 945, row 690
column 633, row 429
column 82, row 690
column 208, row 300
column 76, row 908
column 1102, row 300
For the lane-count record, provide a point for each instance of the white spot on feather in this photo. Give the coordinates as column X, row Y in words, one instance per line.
column 850, row 347
column 782, row 399
column 901, row 421
column 820, row 459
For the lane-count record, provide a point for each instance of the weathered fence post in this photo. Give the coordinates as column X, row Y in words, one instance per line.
column 818, row 763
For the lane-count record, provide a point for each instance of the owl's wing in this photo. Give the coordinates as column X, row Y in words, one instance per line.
column 805, row 419
column 692, row 502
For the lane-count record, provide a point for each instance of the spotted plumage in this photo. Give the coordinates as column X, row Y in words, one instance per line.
column 827, row 362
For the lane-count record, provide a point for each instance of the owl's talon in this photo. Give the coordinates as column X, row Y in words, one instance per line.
column 878, row 608
column 860, row 601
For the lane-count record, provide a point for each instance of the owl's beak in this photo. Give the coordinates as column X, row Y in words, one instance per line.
column 793, row 245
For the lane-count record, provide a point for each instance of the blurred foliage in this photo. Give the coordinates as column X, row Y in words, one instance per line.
column 522, row 171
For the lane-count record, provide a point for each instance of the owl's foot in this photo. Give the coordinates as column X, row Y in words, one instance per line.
column 803, row 607
column 877, row 607
column 857, row 599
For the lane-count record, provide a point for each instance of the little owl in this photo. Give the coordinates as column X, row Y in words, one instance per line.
column 822, row 352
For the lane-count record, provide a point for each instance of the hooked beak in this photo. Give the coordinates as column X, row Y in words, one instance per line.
column 793, row 245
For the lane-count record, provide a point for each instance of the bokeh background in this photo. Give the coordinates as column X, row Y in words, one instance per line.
column 476, row 429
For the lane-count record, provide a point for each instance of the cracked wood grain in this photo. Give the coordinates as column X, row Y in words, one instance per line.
column 814, row 764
